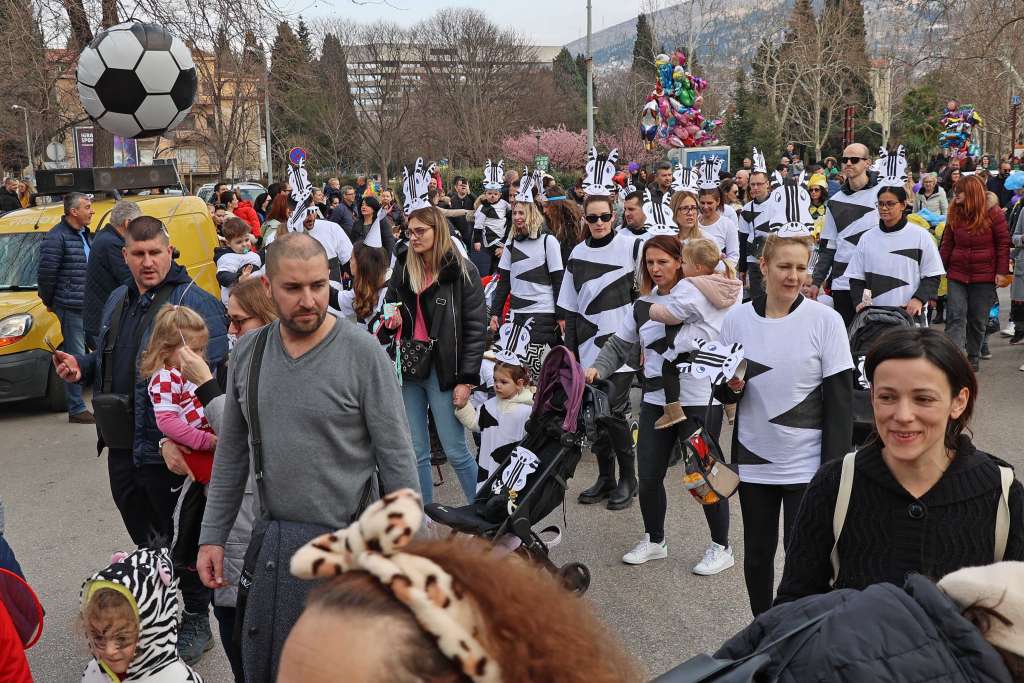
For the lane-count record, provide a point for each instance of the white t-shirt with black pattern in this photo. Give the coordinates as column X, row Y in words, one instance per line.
column 780, row 415
column 892, row 264
column 530, row 263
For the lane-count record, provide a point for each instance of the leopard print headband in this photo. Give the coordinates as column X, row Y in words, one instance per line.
column 374, row 545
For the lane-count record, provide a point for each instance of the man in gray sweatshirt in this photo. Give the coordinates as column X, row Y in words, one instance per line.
column 330, row 411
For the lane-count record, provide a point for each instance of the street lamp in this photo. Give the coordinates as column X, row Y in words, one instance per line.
column 536, row 134
column 28, row 139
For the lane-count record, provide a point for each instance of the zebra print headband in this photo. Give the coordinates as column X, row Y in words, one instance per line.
column 374, row 545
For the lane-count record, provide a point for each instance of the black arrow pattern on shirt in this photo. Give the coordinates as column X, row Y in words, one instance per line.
column 612, row 297
column 912, row 254
column 517, row 254
column 486, row 419
column 749, row 215
column 807, row 414
column 641, row 312
column 585, row 271
column 538, row 275
column 880, row 284
column 584, row 329
column 854, row 239
column 518, row 303
column 754, row 369
column 498, row 455
column 745, row 456
column 601, row 339
column 845, row 214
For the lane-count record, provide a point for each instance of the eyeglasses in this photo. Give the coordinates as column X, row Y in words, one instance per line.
column 602, row 217
column 418, row 234
column 852, row 160
column 238, row 322
column 687, row 209
column 887, row 205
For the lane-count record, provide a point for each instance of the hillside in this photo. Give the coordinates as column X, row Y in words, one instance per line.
column 731, row 38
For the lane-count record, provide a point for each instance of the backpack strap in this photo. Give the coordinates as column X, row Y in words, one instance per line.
column 839, row 515
column 252, row 408
column 1003, row 513
column 110, row 341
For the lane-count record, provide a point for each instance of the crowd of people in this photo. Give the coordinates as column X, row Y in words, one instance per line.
column 403, row 324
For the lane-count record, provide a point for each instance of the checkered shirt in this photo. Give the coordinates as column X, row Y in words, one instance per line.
column 171, row 393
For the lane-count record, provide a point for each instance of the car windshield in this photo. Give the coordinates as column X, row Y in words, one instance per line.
column 250, row 193
column 19, row 259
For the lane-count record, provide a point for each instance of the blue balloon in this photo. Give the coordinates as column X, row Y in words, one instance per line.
column 1014, row 181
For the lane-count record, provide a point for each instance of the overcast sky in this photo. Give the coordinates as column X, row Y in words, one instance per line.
column 543, row 22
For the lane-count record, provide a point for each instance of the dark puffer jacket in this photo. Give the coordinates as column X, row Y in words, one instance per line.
column 973, row 258
column 884, row 634
column 62, row 264
column 106, row 272
column 462, row 333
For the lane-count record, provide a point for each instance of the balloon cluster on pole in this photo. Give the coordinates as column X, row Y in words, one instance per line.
column 958, row 123
column 672, row 115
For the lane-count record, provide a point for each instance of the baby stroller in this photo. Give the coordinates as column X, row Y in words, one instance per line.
column 531, row 482
column 866, row 327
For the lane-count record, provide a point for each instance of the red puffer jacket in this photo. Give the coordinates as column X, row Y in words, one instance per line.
column 979, row 257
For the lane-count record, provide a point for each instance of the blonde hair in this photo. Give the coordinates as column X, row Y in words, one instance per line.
column 169, row 326
column 534, row 219
column 675, row 203
column 772, row 244
column 418, row 267
column 705, row 252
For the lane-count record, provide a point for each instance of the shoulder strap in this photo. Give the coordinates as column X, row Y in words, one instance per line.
column 842, row 506
column 440, row 302
column 108, row 346
column 1003, row 513
column 252, row 409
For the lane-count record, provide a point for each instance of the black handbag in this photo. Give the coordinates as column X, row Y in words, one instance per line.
column 115, row 413
column 707, row 669
column 416, row 356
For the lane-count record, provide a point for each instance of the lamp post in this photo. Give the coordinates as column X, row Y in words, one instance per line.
column 28, row 139
column 536, row 134
column 590, row 85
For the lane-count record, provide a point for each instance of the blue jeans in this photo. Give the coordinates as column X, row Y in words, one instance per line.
column 74, row 343
column 418, row 395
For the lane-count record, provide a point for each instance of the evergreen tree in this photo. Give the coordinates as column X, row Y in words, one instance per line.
column 801, row 21
column 290, row 68
column 643, row 47
column 335, row 113
column 305, row 39
column 739, row 127
column 572, row 86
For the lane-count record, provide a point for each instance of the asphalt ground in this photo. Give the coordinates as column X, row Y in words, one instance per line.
column 63, row 525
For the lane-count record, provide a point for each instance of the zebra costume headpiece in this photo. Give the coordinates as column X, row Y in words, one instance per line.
column 514, row 341
column 494, row 175
column 708, row 170
column 302, row 195
column 685, row 179
column 415, row 187
column 891, row 168
column 146, row 579
column 789, row 207
column 598, row 180
column 759, row 165
column 526, row 184
column 658, row 215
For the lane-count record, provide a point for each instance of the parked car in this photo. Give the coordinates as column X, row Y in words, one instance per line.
column 248, row 190
column 26, row 326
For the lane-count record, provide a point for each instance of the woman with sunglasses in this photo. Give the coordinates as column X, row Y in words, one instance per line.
column 897, row 263
column 596, row 295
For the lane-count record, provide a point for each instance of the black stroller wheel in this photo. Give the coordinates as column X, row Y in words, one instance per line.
column 575, row 577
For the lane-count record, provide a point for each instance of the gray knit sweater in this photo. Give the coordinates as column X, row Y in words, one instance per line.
column 327, row 418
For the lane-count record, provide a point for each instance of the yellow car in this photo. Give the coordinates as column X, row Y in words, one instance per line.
column 27, row 329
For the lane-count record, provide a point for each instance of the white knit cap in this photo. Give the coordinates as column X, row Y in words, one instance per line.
column 999, row 587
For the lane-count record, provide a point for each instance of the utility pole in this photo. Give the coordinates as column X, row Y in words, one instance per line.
column 1014, row 117
column 590, row 85
column 266, row 111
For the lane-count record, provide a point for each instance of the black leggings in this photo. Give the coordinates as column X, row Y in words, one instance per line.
column 759, row 505
column 654, row 450
column 614, row 436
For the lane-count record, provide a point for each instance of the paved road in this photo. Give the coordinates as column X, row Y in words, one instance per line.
column 63, row 525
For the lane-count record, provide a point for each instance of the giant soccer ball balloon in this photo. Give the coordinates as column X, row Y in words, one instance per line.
column 136, row 80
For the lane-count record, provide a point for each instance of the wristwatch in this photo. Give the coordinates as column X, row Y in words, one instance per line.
column 161, row 442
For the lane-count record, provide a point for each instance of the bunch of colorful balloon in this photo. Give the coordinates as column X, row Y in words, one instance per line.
column 672, row 113
column 958, row 122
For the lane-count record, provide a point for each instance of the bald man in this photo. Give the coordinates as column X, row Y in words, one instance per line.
column 851, row 212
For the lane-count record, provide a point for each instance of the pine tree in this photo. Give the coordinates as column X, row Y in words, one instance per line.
column 572, row 86
column 643, row 48
column 801, row 21
column 336, row 110
column 305, row 39
column 739, row 126
column 289, row 91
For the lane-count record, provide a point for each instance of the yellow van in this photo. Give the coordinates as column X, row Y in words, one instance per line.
column 25, row 325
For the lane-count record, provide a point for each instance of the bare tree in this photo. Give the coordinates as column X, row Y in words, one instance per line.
column 684, row 24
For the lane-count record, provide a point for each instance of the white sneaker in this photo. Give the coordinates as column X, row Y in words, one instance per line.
column 645, row 550
column 1008, row 332
column 716, row 559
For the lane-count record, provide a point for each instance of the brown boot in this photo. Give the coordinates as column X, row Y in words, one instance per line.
column 673, row 415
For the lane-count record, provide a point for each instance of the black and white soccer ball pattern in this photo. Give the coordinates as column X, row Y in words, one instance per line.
column 136, row 80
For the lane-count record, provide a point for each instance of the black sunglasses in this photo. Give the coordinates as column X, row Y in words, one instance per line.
column 851, row 160
column 604, row 218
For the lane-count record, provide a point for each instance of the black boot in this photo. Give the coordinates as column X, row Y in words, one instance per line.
column 605, row 483
column 622, row 497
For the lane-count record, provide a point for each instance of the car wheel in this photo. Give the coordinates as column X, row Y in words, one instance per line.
column 56, row 395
